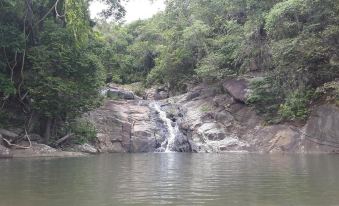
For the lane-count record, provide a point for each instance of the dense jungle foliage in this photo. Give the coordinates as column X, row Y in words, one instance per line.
column 291, row 46
column 54, row 59
column 51, row 68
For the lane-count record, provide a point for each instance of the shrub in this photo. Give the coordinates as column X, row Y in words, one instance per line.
column 330, row 90
column 296, row 105
column 266, row 96
column 83, row 130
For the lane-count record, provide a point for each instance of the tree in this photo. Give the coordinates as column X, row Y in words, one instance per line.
column 49, row 60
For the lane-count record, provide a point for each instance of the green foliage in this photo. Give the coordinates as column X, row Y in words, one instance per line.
column 3, row 118
column 285, row 19
column 137, row 88
column 83, row 130
column 330, row 90
column 205, row 108
column 51, row 61
column 64, row 75
column 293, row 43
column 54, row 63
column 296, row 105
column 266, row 96
column 6, row 86
column 77, row 19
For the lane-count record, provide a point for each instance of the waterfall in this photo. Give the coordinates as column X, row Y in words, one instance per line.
column 172, row 127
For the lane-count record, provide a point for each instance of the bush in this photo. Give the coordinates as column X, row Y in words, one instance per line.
column 84, row 131
column 137, row 88
column 330, row 90
column 266, row 96
column 296, row 105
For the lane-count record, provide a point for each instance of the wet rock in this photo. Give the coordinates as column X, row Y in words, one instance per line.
column 86, row 148
column 4, row 152
column 212, row 131
column 143, row 142
column 106, row 143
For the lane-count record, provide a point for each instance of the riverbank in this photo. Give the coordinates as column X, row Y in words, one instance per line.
column 37, row 150
column 210, row 118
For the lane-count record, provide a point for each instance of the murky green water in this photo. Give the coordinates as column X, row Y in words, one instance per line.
column 171, row 179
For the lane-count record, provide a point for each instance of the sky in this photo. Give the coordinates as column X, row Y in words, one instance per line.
column 136, row 9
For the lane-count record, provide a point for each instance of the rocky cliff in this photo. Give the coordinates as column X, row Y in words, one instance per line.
column 209, row 118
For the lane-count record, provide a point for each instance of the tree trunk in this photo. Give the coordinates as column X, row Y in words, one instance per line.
column 47, row 132
column 30, row 17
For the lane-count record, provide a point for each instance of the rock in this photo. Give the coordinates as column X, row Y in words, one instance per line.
column 284, row 140
column 209, row 121
column 143, row 142
column 124, row 127
column 120, row 94
column 321, row 132
column 4, row 152
column 106, row 143
column 192, row 95
column 159, row 93
column 212, row 131
column 324, row 123
column 86, row 148
column 224, row 117
column 237, row 89
column 41, row 150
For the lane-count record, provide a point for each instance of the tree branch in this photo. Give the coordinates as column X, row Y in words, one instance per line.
column 61, row 140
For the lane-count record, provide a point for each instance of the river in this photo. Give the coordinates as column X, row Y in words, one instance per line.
column 171, row 179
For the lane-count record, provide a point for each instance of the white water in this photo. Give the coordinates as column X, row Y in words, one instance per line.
column 172, row 130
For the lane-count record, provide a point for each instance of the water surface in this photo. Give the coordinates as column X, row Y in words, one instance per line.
column 171, row 179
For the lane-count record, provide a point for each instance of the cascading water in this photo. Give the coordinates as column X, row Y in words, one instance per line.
column 172, row 127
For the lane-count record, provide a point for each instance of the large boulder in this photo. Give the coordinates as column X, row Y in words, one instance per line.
column 120, row 94
column 157, row 93
column 123, row 127
column 237, row 88
column 324, row 123
column 321, row 133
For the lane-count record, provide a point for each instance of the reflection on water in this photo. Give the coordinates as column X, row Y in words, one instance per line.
column 171, row 179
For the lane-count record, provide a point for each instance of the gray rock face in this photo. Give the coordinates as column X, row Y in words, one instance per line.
column 237, row 89
column 215, row 123
column 321, row 133
column 209, row 120
column 124, row 127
